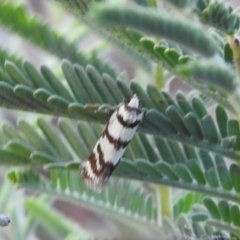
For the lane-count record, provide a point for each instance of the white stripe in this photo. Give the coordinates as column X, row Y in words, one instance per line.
column 109, row 152
column 118, row 131
column 134, row 102
column 130, row 116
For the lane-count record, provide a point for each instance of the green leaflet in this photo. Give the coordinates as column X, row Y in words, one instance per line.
column 179, row 143
column 160, row 24
column 55, row 84
column 235, row 214
column 226, row 211
column 77, row 144
column 216, row 75
column 17, row 19
column 198, row 106
column 199, row 217
column 225, row 177
column 54, row 140
column 222, row 118
column 209, row 129
column 181, row 170
column 212, row 208
column 212, row 177
column 234, row 171
column 196, row 171
column 174, row 115
column 185, row 203
column 221, row 16
column 139, row 202
column 182, row 3
column 4, row 54
column 166, row 170
column 193, row 125
column 20, row 148
column 15, row 73
column 37, row 79
column 165, row 119
column 11, row 158
column 135, row 170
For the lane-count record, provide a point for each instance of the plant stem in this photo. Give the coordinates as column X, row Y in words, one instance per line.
column 163, row 202
column 158, row 77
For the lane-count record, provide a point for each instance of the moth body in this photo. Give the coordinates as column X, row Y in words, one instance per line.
column 110, row 147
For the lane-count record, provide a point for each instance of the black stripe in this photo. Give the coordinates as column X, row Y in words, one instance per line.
column 93, row 161
column 132, row 109
column 105, row 170
column 116, row 142
column 107, row 167
column 100, row 156
column 126, row 123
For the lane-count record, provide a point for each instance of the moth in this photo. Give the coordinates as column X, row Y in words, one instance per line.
column 4, row 221
column 112, row 143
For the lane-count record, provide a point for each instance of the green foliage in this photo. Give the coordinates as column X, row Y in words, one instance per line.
column 16, row 19
column 162, row 24
column 220, row 15
column 187, row 141
column 140, row 208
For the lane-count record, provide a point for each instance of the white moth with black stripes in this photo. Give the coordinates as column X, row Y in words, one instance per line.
column 110, row 147
column 4, row 221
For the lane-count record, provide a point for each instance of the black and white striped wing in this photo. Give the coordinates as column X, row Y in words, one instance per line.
column 110, row 147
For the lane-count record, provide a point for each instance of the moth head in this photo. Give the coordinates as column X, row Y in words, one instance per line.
column 134, row 102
